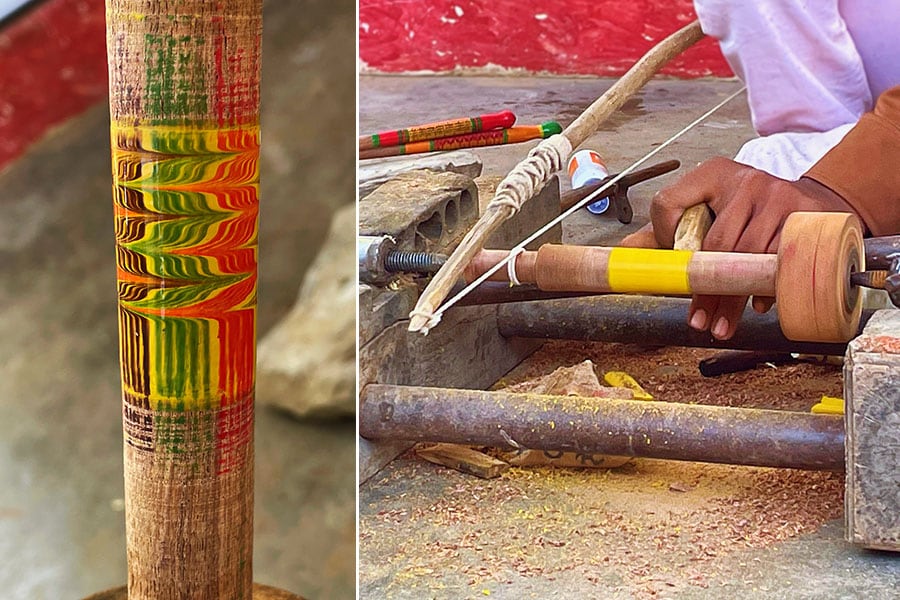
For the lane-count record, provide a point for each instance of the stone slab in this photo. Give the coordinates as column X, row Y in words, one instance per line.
column 423, row 211
column 872, row 418
column 376, row 172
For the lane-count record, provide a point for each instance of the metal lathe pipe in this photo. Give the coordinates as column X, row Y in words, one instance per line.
column 648, row 320
column 766, row 438
column 881, row 251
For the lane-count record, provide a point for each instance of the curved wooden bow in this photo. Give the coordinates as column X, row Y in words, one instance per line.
column 422, row 318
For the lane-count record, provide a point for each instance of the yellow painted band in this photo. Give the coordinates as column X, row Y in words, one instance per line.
column 649, row 271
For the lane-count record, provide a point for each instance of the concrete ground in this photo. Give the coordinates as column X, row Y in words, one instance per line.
column 429, row 532
column 61, row 520
column 646, row 121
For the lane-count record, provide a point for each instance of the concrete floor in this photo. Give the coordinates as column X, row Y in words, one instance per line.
column 818, row 565
column 61, row 520
column 646, row 120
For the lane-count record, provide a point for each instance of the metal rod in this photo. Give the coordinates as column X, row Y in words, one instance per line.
column 649, row 320
column 881, row 251
column 766, row 438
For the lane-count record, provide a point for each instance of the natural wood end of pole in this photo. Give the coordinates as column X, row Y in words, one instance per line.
column 692, row 228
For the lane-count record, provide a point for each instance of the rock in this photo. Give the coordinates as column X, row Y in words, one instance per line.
column 374, row 173
column 872, row 447
column 577, row 380
column 307, row 362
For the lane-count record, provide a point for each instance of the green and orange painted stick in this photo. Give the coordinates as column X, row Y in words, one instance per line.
column 441, row 129
column 513, row 135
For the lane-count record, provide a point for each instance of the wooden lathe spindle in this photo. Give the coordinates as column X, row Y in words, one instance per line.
column 809, row 277
column 184, row 107
column 556, row 268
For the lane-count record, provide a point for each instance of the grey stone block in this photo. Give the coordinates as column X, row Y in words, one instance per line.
column 872, row 417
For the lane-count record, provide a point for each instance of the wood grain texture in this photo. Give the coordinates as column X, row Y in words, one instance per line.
column 816, row 255
column 260, row 592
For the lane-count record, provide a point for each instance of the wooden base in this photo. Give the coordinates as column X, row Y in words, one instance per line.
column 260, row 592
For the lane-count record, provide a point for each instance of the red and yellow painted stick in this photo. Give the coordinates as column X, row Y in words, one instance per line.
column 184, row 105
column 430, row 131
column 512, row 135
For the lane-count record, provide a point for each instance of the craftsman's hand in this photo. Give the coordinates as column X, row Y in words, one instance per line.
column 750, row 208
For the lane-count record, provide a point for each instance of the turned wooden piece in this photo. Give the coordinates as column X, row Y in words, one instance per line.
column 598, row 269
column 809, row 277
column 817, row 254
column 260, row 592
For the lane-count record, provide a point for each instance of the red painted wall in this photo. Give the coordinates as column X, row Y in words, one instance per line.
column 52, row 66
column 596, row 37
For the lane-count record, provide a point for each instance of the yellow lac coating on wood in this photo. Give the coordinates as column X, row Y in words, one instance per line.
column 663, row 272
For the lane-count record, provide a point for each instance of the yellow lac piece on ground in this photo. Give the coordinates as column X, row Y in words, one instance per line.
column 828, row 405
column 623, row 379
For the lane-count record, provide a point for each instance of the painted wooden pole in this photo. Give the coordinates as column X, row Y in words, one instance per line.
column 810, row 277
column 598, row 269
column 184, row 107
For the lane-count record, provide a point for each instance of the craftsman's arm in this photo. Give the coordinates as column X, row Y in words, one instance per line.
column 750, row 208
column 860, row 175
column 864, row 168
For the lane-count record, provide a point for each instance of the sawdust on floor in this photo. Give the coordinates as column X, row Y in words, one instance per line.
column 647, row 529
column 671, row 375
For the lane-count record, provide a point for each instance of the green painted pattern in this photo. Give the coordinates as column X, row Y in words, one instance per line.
column 173, row 77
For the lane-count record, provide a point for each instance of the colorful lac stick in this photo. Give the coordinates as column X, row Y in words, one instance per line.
column 184, row 104
column 500, row 120
column 512, row 135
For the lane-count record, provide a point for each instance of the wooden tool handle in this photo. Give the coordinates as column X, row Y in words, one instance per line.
column 692, row 228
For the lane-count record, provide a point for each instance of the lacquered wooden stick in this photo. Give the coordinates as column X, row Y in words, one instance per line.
column 184, row 107
column 430, row 131
column 498, row 137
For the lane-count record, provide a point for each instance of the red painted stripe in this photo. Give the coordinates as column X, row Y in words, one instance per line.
column 596, row 37
column 52, row 66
